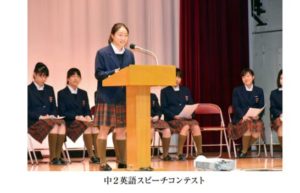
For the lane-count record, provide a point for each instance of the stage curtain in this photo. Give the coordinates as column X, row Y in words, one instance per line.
column 213, row 51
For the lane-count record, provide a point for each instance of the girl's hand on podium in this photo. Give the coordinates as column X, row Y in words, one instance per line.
column 117, row 70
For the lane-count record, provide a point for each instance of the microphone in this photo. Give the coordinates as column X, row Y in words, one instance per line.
column 135, row 47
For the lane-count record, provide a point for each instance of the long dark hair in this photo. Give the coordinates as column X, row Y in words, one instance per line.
column 114, row 29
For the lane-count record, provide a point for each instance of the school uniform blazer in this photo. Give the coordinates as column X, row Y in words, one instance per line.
column 172, row 102
column 40, row 104
column 276, row 103
column 242, row 100
column 71, row 106
column 155, row 108
column 105, row 65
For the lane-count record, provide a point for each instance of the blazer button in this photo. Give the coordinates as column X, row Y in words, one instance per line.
column 44, row 106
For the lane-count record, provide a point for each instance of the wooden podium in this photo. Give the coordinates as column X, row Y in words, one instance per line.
column 138, row 79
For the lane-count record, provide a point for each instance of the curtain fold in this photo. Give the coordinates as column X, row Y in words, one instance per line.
column 213, row 51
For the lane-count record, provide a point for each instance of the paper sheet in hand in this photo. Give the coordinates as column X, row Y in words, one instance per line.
column 58, row 117
column 187, row 111
column 254, row 112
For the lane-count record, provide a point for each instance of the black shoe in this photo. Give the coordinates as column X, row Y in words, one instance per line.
column 55, row 161
column 95, row 160
column 167, row 158
column 243, row 155
column 62, row 161
column 120, row 165
column 181, row 157
column 105, row 167
column 148, row 169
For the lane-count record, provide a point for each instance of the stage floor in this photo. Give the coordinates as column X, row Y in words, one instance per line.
column 247, row 164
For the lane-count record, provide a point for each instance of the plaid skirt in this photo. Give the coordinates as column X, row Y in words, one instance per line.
column 40, row 129
column 236, row 131
column 178, row 124
column 110, row 115
column 160, row 124
column 76, row 128
column 276, row 123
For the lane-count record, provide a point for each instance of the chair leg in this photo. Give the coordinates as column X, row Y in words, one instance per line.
column 188, row 145
column 67, row 152
column 259, row 144
column 271, row 144
column 159, row 142
column 221, row 140
column 192, row 145
column 35, row 157
column 265, row 149
column 153, row 145
column 30, row 156
column 227, row 144
column 234, row 148
column 33, row 150
column 83, row 153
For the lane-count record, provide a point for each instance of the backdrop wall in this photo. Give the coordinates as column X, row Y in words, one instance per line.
column 68, row 33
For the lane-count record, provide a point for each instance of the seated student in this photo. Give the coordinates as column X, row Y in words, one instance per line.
column 173, row 100
column 276, row 108
column 245, row 97
column 73, row 104
column 157, row 123
column 41, row 110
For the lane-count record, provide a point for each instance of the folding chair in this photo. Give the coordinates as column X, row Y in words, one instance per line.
column 93, row 108
column 260, row 140
column 213, row 109
column 272, row 143
column 156, row 143
column 65, row 153
column 230, row 113
column 31, row 149
column 75, row 160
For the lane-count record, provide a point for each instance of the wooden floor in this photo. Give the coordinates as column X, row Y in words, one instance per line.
column 248, row 164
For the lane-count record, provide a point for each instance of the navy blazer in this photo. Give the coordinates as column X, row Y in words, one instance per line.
column 72, row 105
column 105, row 65
column 172, row 102
column 276, row 103
column 40, row 103
column 242, row 100
column 155, row 108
